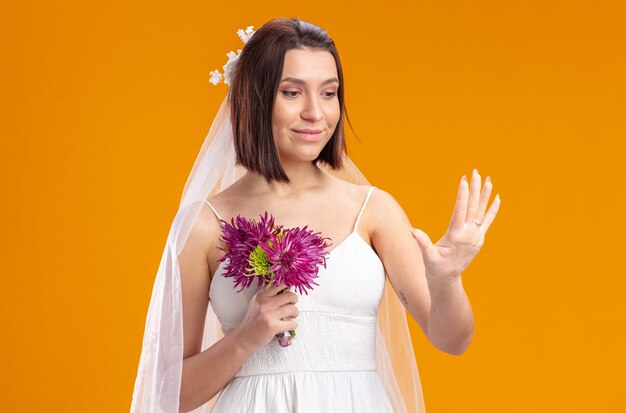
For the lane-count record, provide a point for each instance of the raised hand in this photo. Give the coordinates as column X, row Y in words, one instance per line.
column 451, row 255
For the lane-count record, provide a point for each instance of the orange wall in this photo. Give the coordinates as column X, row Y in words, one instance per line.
column 105, row 105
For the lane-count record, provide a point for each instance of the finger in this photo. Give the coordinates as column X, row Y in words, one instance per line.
column 491, row 214
column 460, row 208
column 288, row 324
column 474, row 194
column 288, row 297
column 423, row 240
column 273, row 289
column 287, row 312
column 484, row 199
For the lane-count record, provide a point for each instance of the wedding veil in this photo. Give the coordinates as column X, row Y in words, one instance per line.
column 158, row 381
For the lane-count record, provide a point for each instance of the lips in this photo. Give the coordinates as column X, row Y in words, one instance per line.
column 309, row 134
column 308, row 130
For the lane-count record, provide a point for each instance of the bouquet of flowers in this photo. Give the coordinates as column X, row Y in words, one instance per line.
column 272, row 254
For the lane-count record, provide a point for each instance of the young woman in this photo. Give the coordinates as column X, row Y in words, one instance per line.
column 208, row 346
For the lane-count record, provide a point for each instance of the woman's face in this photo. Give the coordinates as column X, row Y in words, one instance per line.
column 306, row 108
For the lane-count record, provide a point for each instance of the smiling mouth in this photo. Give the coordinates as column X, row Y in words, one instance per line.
column 309, row 135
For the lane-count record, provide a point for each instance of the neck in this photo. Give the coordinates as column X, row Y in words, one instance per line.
column 303, row 176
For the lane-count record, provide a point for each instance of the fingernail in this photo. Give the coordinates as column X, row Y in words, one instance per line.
column 488, row 179
column 464, row 178
column 475, row 170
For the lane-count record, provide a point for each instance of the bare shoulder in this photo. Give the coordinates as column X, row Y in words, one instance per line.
column 206, row 223
column 202, row 234
column 385, row 211
column 390, row 227
column 212, row 227
column 383, row 200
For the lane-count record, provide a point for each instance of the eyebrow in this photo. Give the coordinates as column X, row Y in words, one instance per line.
column 296, row 80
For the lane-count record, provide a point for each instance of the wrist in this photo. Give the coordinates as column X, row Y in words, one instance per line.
column 239, row 343
column 443, row 279
column 444, row 291
column 442, row 284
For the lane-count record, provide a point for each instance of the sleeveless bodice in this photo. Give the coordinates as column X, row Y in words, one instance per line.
column 352, row 282
column 336, row 330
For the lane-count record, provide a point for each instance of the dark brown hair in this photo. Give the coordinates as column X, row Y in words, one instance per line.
column 252, row 91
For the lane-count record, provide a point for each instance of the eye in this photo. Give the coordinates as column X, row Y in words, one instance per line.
column 290, row 93
column 330, row 94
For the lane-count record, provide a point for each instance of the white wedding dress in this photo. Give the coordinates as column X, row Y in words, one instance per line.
column 331, row 364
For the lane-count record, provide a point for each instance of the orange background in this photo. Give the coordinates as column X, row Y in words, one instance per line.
column 105, row 106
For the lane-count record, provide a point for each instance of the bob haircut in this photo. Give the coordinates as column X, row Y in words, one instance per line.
column 253, row 89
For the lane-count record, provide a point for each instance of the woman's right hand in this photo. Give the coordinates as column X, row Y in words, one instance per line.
column 264, row 317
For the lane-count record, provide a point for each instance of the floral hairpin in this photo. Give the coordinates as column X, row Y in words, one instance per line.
column 229, row 67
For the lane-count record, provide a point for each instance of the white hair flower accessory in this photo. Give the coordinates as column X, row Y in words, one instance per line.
column 229, row 67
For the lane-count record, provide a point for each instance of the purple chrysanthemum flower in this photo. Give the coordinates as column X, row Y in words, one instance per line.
column 294, row 256
column 239, row 240
column 271, row 254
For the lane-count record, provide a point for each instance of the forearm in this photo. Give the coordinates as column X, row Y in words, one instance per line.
column 451, row 320
column 206, row 373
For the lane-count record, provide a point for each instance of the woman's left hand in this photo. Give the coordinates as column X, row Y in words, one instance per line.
column 451, row 255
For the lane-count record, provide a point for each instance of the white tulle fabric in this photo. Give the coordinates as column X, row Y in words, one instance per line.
column 157, row 385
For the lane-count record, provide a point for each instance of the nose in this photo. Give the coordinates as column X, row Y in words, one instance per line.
column 312, row 109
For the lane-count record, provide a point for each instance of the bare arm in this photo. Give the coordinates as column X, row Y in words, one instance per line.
column 400, row 254
column 441, row 309
column 451, row 320
column 204, row 373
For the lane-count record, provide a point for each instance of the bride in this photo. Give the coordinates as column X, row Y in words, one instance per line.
column 277, row 144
